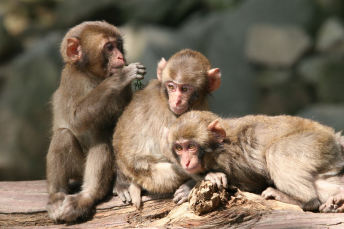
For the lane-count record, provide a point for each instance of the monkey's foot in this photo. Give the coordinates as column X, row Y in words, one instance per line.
column 70, row 208
column 274, row 194
column 135, row 193
column 334, row 204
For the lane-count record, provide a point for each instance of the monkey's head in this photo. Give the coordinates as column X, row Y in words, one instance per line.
column 187, row 78
column 95, row 47
column 193, row 138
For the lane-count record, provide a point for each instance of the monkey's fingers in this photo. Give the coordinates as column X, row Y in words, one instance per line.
column 125, row 196
column 219, row 179
column 180, row 198
column 135, row 193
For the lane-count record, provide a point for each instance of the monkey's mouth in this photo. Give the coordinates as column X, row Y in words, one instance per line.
column 193, row 169
column 179, row 110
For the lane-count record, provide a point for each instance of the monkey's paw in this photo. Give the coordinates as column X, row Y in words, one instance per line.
column 135, row 193
column 123, row 194
column 135, row 71
column 54, row 204
column 334, row 204
column 217, row 178
column 181, row 195
column 71, row 208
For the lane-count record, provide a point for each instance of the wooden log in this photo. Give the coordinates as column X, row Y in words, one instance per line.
column 22, row 205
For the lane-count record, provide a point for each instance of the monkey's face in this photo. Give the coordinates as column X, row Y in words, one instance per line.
column 179, row 96
column 188, row 153
column 113, row 55
column 96, row 51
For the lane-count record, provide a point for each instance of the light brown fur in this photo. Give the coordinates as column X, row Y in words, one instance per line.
column 140, row 139
column 300, row 157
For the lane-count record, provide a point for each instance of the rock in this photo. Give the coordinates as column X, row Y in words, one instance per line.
column 276, row 46
column 206, row 197
column 330, row 37
column 25, row 110
column 280, row 92
column 326, row 74
column 8, row 44
column 224, row 44
column 311, row 69
column 328, row 114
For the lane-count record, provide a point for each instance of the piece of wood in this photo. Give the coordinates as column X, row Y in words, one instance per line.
column 22, row 205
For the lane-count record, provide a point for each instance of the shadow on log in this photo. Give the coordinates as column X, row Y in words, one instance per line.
column 22, row 205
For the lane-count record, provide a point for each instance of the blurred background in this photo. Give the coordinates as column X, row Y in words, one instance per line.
column 276, row 57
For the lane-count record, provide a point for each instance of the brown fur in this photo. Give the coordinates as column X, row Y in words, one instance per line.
column 140, row 137
column 300, row 157
column 90, row 98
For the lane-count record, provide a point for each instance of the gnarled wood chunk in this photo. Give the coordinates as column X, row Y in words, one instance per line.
column 206, row 197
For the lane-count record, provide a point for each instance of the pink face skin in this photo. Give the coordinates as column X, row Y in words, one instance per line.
column 116, row 56
column 188, row 156
column 179, row 95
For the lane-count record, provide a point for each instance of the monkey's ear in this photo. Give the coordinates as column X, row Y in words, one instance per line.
column 217, row 130
column 73, row 49
column 161, row 65
column 214, row 79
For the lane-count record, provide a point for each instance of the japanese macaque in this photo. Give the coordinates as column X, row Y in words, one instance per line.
column 93, row 91
column 140, row 139
column 295, row 160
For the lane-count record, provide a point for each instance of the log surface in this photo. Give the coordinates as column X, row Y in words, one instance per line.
column 22, row 205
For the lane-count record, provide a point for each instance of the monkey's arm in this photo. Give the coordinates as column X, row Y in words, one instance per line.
column 98, row 103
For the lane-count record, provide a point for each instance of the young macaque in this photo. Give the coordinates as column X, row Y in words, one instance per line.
column 140, row 139
column 295, row 160
column 94, row 89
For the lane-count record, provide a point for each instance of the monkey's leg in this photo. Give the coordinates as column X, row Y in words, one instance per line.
column 97, row 183
column 65, row 160
column 272, row 193
column 289, row 165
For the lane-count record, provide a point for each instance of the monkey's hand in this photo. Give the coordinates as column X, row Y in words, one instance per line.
column 134, row 71
column 70, row 208
column 182, row 193
column 218, row 178
column 334, row 204
column 122, row 188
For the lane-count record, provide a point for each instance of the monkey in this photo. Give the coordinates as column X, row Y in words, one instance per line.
column 287, row 158
column 93, row 91
column 140, row 139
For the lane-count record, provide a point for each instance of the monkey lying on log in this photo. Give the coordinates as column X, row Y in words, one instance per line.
column 290, row 159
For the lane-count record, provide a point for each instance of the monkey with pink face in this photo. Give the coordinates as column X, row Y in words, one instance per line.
column 290, row 159
column 140, row 139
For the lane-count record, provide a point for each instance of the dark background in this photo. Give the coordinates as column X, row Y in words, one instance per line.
column 276, row 57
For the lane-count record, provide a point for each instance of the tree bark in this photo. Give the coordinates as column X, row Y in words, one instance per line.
column 22, row 204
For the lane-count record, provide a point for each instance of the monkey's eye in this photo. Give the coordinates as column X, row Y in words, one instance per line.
column 184, row 89
column 109, row 46
column 192, row 147
column 171, row 87
column 178, row 148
